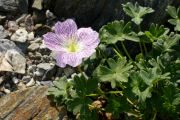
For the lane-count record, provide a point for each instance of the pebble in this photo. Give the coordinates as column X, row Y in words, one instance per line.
column 7, row 91
column 31, row 83
column 12, row 26
column 21, row 86
column 31, row 68
column 20, row 35
column 39, row 73
column 45, row 66
column 1, row 79
column 30, row 36
column 33, row 47
column 3, row 32
column 46, row 83
column 26, row 79
column 15, row 80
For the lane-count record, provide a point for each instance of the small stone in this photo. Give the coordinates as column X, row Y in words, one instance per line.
column 7, row 91
column 46, row 83
column 42, row 46
column 45, row 66
column 3, row 32
column 31, row 36
column 50, row 15
column 39, row 73
column 30, row 54
column 20, row 35
column 26, row 79
column 15, row 80
column 21, row 86
column 31, row 68
column 38, row 83
column 12, row 26
column 30, row 83
column 1, row 79
column 33, row 47
column 38, row 40
column 37, row 4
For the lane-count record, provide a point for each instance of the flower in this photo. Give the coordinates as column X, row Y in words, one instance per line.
column 71, row 44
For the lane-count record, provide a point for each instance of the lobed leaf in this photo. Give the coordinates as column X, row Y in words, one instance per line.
column 117, row 31
column 136, row 12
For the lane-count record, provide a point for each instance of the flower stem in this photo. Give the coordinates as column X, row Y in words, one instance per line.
column 125, row 50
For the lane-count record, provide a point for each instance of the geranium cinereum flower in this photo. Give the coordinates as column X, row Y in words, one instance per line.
column 71, row 44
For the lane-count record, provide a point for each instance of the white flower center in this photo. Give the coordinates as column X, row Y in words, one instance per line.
column 73, row 45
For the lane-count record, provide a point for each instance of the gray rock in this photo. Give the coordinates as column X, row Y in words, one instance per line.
column 45, row 66
column 1, row 79
column 46, row 70
column 21, row 35
column 13, row 6
column 15, row 80
column 33, row 47
column 37, row 4
column 46, row 83
column 13, row 61
column 11, row 57
column 31, row 69
column 3, row 33
column 39, row 73
column 6, row 44
column 26, row 79
column 31, row 36
column 31, row 83
column 12, row 26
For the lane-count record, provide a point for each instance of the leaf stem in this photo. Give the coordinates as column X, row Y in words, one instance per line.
column 119, row 54
column 154, row 117
column 141, row 47
column 145, row 49
column 125, row 50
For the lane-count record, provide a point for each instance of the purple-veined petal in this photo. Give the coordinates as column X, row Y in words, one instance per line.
column 53, row 41
column 88, row 37
column 86, row 53
column 67, row 27
column 72, row 59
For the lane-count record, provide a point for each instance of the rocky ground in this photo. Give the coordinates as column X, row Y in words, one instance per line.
column 26, row 64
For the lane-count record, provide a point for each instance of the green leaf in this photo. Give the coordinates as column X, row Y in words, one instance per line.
column 156, row 32
column 171, row 99
column 144, row 80
column 117, row 31
column 59, row 90
column 117, row 72
column 117, row 105
column 175, row 14
column 83, row 86
column 136, row 12
column 172, row 11
column 166, row 43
